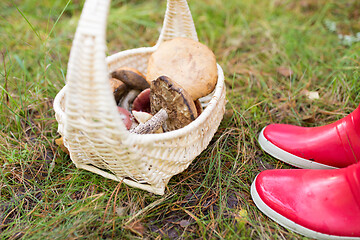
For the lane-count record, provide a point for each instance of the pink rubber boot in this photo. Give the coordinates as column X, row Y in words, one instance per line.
column 335, row 145
column 321, row 204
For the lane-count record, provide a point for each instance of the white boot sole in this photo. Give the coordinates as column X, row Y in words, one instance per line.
column 287, row 157
column 285, row 222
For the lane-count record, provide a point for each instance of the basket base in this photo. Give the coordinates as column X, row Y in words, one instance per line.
column 131, row 183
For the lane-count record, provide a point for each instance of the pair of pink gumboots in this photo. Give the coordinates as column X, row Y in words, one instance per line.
column 322, row 200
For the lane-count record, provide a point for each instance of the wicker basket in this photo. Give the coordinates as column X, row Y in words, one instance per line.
column 89, row 121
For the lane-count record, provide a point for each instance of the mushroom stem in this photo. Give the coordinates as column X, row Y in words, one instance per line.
column 152, row 124
column 128, row 99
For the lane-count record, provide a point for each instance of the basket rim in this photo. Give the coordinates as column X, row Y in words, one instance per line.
column 150, row 138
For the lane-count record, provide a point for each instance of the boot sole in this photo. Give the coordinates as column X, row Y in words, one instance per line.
column 286, row 223
column 287, row 157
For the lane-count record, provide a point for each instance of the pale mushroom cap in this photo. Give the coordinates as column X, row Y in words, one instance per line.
column 141, row 117
column 190, row 64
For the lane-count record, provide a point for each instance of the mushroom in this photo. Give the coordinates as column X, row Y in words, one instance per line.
column 198, row 107
column 178, row 104
column 172, row 106
column 142, row 101
column 131, row 77
column 141, row 117
column 190, row 64
column 149, row 123
column 128, row 99
column 125, row 117
column 119, row 89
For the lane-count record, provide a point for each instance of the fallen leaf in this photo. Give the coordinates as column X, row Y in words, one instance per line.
column 229, row 113
column 136, row 227
column 184, row 223
column 285, row 71
column 312, row 95
column 121, row 211
column 241, row 216
column 60, row 143
column 308, row 119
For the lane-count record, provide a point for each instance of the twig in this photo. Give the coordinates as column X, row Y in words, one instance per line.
column 107, row 207
column 6, row 79
column 147, row 208
column 114, row 212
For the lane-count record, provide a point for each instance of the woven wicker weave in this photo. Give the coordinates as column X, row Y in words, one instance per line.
column 89, row 121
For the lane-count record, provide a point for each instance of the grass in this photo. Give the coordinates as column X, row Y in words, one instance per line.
column 43, row 195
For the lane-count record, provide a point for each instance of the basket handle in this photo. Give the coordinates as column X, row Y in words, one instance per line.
column 178, row 22
column 88, row 93
column 89, row 102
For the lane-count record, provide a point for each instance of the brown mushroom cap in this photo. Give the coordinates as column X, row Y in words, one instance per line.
column 119, row 88
column 190, row 64
column 131, row 77
column 178, row 104
column 198, row 106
